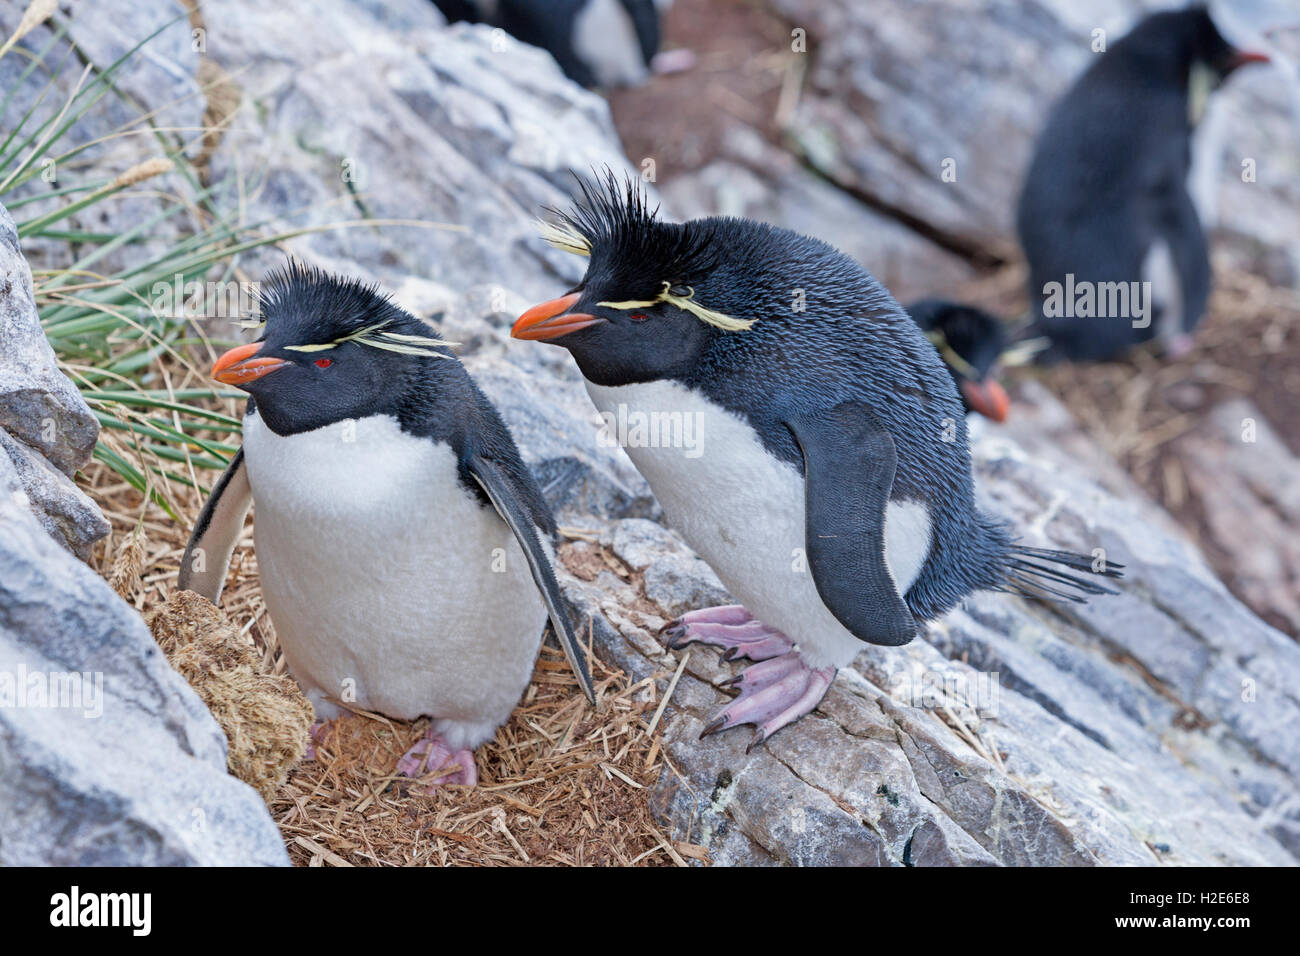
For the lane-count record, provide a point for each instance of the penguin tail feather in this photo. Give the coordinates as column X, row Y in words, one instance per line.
column 1045, row 574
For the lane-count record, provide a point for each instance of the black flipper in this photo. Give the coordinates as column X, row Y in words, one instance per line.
column 207, row 556
column 849, row 460
column 1191, row 255
column 496, row 484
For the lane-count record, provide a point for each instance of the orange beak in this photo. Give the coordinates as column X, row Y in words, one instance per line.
column 552, row 319
column 988, row 398
column 238, row 367
column 1242, row 57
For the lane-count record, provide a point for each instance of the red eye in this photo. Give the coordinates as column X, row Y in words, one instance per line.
column 324, row 363
column 639, row 316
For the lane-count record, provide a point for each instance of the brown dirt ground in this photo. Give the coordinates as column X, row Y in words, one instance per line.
column 742, row 51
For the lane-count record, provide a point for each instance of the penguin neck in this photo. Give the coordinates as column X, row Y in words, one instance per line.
column 436, row 401
column 652, row 365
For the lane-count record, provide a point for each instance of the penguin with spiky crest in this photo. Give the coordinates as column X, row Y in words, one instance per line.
column 970, row 341
column 403, row 547
column 829, row 482
column 1105, row 205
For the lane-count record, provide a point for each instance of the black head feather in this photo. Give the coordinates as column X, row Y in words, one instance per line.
column 973, row 335
column 631, row 249
column 347, row 351
column 1177, row 38
column 305, row 305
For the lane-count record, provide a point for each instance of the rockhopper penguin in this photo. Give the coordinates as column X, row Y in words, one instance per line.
column 830, row 487
column 970, row 341
column 403, row 547
column 1105, row 205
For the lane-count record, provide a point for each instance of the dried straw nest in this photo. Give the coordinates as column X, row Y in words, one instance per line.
column 561, row 784
column 1138, row 408
column 265, row 716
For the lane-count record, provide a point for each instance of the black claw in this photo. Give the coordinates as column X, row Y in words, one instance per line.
column 719, row 723
column 731, row 654
column 759, row 737
column 672, row 634
column 733, row 681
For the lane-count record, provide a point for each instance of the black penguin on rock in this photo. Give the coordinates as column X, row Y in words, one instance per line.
column 403, row 547
column 970, row 341
column 830, row 487
column 1105, row 204
column 598, row 43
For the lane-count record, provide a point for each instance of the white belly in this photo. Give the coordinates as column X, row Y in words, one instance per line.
column 604, row 37
column 1161, row 276
column 390, row 587
column 742, row 511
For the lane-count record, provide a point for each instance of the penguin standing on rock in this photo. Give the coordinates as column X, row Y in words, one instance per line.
column 403, row 547
column 970, row 341
column 1105, row 205
column 828, row 488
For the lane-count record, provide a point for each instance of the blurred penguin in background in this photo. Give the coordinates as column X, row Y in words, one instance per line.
column 598, row 43
column 971, row 342
column 1105, row 205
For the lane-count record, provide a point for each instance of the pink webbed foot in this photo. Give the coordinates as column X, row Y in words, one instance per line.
column 1179, row 346
column 730, row 627
column 773, row 694
column 315, row 732
column 432, row 756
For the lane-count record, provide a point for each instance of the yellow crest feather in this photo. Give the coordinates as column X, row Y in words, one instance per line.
column 564, row 238
column 1023, row 352
column 376, row 337
column 712, row 317
column 631, row 304
column 686, row 303
column 949, row 354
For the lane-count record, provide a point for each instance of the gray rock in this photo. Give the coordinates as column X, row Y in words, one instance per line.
column 128, row 768
column 62, row 508
column 673, row 579
column 1243, row 475
column 38, row 404
column 764, row 182
column 1141, row 729
column 453, row 125
column 555, row 426
column 46, row 428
